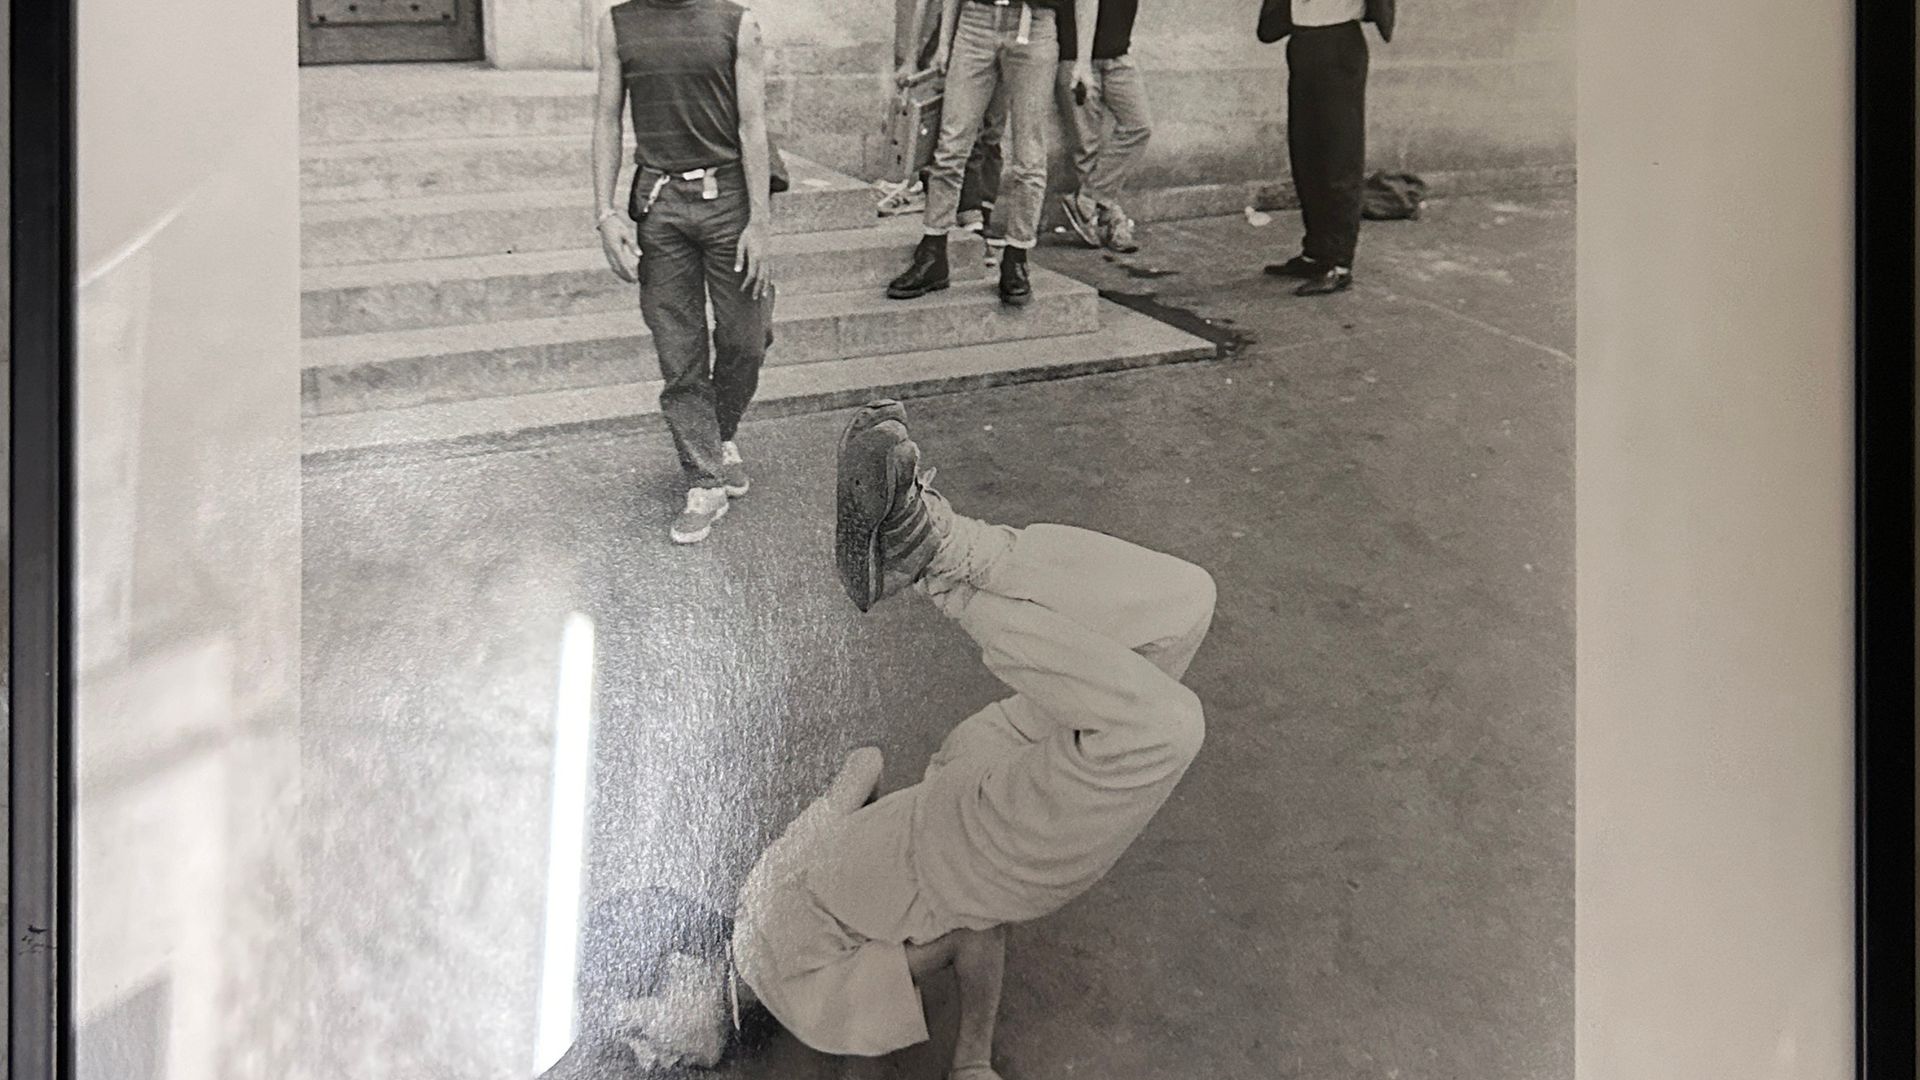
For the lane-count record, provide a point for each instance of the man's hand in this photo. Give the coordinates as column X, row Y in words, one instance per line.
column 903, row 75
column 753, row 259
column 1082, row 84
column 940, row 57
column 623, row 253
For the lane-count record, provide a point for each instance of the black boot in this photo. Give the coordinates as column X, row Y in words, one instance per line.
column 1015, row 289
column 928, row 272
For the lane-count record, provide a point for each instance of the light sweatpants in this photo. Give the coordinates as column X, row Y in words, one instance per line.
column 1032, row 800
column 1026, row 805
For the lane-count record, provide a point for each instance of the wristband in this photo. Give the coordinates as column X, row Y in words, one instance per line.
column 605, row 213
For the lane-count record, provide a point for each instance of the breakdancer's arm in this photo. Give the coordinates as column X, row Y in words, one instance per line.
column 856, row 781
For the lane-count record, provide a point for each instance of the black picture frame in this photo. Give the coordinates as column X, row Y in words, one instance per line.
column 41, row 73
column 1884, row 644
column 42, row 331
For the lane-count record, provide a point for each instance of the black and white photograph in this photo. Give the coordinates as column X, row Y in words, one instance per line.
column 1222, row 674
column 871, row 539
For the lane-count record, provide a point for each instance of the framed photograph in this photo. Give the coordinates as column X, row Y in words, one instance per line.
column 975, row 539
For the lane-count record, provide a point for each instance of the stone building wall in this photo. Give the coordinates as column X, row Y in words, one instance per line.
column 1476, row 94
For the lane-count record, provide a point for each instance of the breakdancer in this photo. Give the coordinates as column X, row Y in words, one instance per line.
column 1026, row 805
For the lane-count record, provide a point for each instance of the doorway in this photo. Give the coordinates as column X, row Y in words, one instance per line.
column 388, row 31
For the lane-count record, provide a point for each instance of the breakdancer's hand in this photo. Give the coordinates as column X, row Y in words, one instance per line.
column 752, row 259
column 622, row 251
column 903, row 75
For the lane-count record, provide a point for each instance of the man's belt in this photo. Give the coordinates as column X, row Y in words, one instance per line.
column 709, row 178
column 1026, row 16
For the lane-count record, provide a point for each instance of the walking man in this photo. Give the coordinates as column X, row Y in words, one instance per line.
column 988, row 46
column 1107, row 126
column 1326, row 128
column 695, row 75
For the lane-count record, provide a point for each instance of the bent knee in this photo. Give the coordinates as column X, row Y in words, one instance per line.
column 1197, row 594
column 1186, row 727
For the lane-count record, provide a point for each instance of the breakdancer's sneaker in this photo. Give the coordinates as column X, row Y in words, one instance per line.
column 873, row 412
column 884, row 534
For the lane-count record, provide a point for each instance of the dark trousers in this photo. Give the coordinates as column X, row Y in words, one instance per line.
column 1327, row 135
column 687, row 249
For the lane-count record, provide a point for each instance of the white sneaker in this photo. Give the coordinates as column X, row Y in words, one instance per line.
column 734, row 470
column 704, row 507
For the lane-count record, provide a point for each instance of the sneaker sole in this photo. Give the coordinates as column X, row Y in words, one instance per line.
column 870, row 415
column 1022, row 300
column 863, row 503
column 1081, row 226
column 738, row 492
column 706, row 531
column 915, row 294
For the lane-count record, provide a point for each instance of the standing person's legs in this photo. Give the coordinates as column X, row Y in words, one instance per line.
column 981, row 187
column 1028, row 70
column 973, row 71
column 673, row 302
column 1123, row 95
column 1084, row 125
column 1326, row 137
column 742, row 324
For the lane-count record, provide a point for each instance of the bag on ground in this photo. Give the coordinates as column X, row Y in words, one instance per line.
column 1393, row 197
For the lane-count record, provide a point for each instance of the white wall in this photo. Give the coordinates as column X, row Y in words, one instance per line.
column 188, row 541
column 1714, row 765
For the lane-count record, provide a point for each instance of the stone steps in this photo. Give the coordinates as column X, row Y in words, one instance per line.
column 507, row 222
column 436, row 101
column 422, row 168
column 372, row 297
column 1124, row 340
column 388, row 169
column 452, row 285
column 403, row 368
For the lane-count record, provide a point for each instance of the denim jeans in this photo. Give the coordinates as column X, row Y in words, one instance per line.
column 981, row 186
column 1103, row 161
column 987, row 55
column 687, row 249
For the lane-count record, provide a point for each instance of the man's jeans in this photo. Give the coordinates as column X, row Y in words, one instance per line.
column 987, row 55
column 1103, row 162
column 982, row 183
column 981, row 187
column 687, row 250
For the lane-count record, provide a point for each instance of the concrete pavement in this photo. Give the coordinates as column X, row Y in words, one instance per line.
column 1368, row 872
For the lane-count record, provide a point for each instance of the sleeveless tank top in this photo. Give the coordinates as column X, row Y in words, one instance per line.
column 677, row 58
